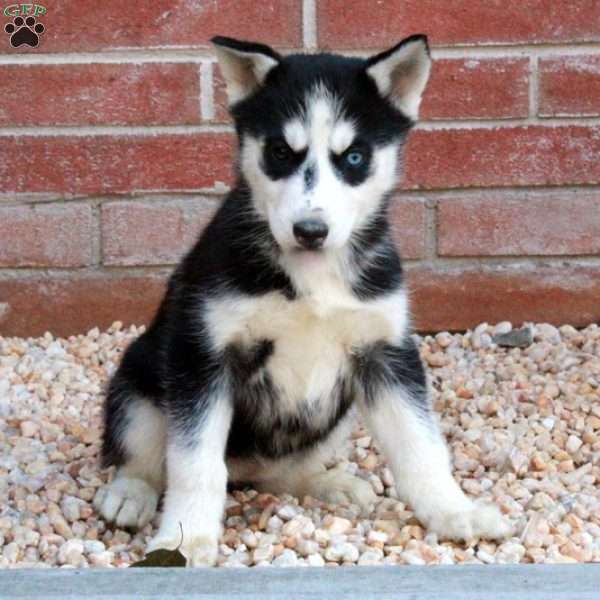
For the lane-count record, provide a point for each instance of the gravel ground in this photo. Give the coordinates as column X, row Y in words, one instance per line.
column 523, row 425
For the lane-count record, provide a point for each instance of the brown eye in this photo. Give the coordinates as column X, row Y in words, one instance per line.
column 280, row 151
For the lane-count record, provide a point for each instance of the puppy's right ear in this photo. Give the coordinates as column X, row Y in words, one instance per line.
column 245, row 65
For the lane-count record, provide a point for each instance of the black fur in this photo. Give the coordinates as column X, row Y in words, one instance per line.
column 386, row 366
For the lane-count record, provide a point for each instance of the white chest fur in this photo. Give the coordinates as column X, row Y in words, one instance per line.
column 313, row 337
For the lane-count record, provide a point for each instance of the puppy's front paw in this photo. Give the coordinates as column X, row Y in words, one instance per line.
column 126, row 501
column 199, row 550
column 479, row 521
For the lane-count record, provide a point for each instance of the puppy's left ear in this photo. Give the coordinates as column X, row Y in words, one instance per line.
column 245, row 65
column 401, row 73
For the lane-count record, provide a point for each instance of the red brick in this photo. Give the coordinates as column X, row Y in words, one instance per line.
column 88, row 25
column 477, row 88
column 570, row 86
column 407, row 216
column 346, row 24
column 136, row 233
column 504, row 156
column 555, row 224
column 45, row 236
column 66, row 306
column 113, row 94
column 457, row 299
column 111, row 164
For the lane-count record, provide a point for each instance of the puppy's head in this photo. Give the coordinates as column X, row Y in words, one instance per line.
column 320, row 134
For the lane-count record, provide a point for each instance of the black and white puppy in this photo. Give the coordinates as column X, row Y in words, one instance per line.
column 289, row 311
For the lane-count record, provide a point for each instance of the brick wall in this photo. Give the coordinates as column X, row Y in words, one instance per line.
column 116, row 148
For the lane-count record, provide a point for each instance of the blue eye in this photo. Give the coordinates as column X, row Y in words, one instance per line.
column 354, row 158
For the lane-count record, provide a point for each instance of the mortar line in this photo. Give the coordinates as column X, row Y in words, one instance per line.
column 115, row 130
column 207, row 99
column 309, row 24
column 153, row 130
column 97, row 240
column 488, row 263
column 431, row 229
column 534, row 101
column 203, row 53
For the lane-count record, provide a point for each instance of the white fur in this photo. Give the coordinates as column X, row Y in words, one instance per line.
column 145, row 442
column 295, row 135
column 196, row 490
column 342, row 136
column 420, row 464
column 343, row 207
column 403, row 75
column 129, row 502
column 131, row 498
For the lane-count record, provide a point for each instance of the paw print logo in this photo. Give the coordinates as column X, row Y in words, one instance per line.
column 24, row 31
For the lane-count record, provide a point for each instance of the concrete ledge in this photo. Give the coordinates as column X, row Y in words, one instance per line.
column 514, row 582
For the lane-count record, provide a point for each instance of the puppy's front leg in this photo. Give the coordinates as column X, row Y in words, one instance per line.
column 196, row 477
column 396, row 404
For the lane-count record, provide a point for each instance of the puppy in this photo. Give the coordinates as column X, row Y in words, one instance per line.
column 289, row 312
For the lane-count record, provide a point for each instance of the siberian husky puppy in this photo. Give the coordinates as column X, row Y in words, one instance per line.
column 288, row 313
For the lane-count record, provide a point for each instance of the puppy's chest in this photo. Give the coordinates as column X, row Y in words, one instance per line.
column 297, row 352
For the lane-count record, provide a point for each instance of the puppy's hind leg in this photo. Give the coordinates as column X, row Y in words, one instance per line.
column 306, row 475
column 396, row 405
column 134, row 442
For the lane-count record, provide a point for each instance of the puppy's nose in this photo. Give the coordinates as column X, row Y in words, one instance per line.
column 311, row 233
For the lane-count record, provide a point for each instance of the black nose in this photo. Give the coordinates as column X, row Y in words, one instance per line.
column 311, row 233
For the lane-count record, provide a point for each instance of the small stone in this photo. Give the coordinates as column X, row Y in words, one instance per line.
column 548, row 332
column 71, row 508
column 377, row 538
column 102, row 559
column 307, row 547
column 315, row 560
column 29, row 429
column 93, row 547
column 372, row 556
column 573, row 444
column 288, row 558
column 510, row 553
column 517, row 338
column 437, row 359
column 249, row 538
column 343, row 552
column 287, row 512
column 444, row 339
column 336, row 524
column 263, row 553
column 70, row 553
column 502, row 328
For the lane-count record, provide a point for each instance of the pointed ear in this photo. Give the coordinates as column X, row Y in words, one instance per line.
column 245, row 65
column 401, row 73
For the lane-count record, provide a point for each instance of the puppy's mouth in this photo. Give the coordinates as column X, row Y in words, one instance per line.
column 309, row 247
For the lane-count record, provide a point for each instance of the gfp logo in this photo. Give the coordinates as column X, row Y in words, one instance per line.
column 24, row 29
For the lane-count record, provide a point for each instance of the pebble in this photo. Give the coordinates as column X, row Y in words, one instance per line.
column 344, row 552
column 523, row 424
column 516, row 338
column 287, row 558
column 573, row 444
column 29, row 429
column 336, row 524
column 70, row 553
